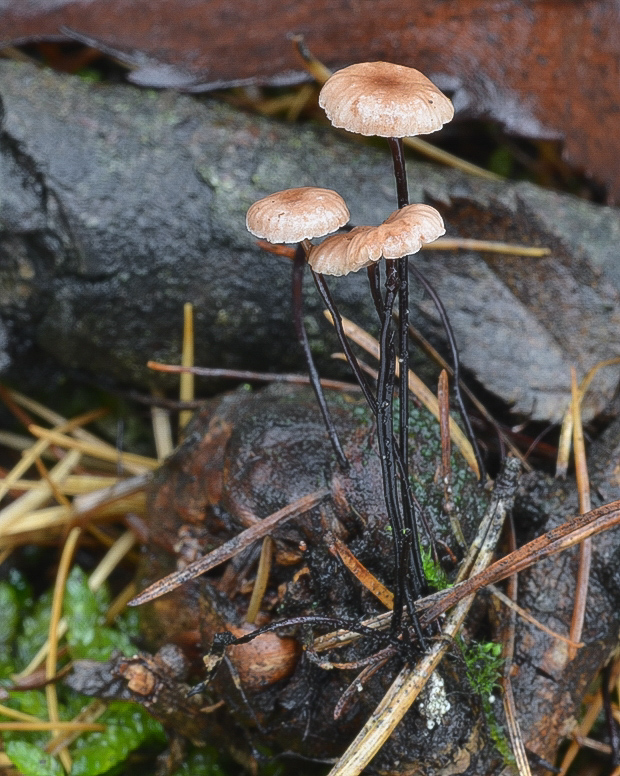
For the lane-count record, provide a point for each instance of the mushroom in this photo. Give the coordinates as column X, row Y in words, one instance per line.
column 296, row 216
column 392, row 101
column 401, row 234
column 383, row 99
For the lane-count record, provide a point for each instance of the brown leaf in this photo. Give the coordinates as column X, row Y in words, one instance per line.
column 543, row 70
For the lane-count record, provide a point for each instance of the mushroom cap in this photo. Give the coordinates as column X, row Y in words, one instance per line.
column 294, row 215
column 383, row 99
column 401, row 234
column 342, row 253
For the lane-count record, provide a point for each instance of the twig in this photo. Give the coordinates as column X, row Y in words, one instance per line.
column 238, row 374
column 230, row 548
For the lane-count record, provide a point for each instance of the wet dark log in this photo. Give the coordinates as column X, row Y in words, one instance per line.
column 251, row 454
column 117, row 206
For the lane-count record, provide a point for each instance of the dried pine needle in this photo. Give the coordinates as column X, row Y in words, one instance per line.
column 162, row 430
column 52, row 654
column 103, row 570
column 73, row 484
column 123, row 492
column 104, row 452
column 120, row 602
column 32, row 499
column 360, row 572
column 186, row 380
column 514, row 730
column 566, row 433
column 87, row 716
column 585, row 548
column 262, row 579
column 530, row 618
column 37, row 520
column 20, row 716
column 36, row 450
column 82, row 727
column 79, row 433
column 59, row 497
column 485, row 246
column 111, row 559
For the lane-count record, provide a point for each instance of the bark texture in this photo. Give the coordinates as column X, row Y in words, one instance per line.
column 118, row 205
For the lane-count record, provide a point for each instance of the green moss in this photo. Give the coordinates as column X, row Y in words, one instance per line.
column 435, row 575
column 483, row 668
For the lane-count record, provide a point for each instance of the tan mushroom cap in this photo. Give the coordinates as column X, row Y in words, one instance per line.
column 294, row 215
column 383, row 99
column 401, row 234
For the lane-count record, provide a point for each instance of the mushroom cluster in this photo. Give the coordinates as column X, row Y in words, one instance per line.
column 386, row 100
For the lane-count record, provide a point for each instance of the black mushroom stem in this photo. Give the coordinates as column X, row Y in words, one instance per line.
column 299, row 265
column 400, row 174
column 408, row 572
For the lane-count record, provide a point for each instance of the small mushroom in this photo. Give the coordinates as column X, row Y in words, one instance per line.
column 392, row 101
column 401, row 234
column 383, row 99
column 296, row 216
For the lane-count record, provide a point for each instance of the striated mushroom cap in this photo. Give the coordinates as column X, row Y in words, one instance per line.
column 294, row 215
column 401, row 234
column 380, row 98
column 343, row 253
column 406, row 230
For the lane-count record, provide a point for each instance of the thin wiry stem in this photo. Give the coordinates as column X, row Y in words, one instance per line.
column 299, row 264
column 402, row 194
column 410, row 506
column 400, row 174
column 456, row 365
column 328, row 301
